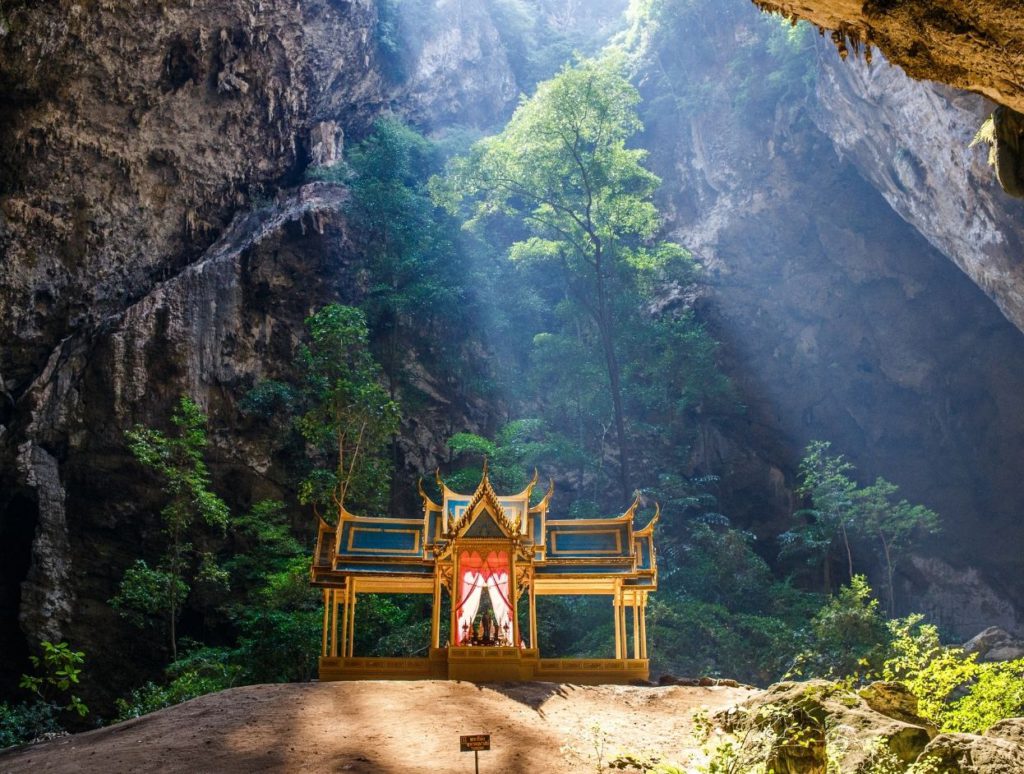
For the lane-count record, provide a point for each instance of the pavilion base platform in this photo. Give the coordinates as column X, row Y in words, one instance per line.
column 487, row 665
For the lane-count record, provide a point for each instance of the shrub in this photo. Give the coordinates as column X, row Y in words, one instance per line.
column 21, row 723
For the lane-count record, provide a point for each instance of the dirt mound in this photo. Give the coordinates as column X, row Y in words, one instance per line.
column 385, row 727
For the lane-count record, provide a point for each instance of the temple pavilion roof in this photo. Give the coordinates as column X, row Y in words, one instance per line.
column 557, row 549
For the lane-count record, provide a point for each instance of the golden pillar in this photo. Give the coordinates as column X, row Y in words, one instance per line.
column 343, row 639
column 643, row 626
column 327, row 612
column 352, row 622
column 533, row 613
column 618, row 629
column 333, row 596
column 435, row 619
column 623, row 636
column 454, row 589
column 514, row 599
column 636, row 628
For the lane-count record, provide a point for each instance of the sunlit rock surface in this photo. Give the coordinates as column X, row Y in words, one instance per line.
column 911, row 141
column 977, row 45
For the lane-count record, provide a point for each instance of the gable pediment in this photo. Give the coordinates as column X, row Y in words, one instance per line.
column 484, row 525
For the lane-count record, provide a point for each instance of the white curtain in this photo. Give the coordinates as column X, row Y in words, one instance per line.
column 472, row 587
column 497, row 590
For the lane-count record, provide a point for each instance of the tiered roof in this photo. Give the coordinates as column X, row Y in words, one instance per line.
column 557, row 548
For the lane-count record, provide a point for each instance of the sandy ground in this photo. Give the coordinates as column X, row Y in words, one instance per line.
column 535, row 728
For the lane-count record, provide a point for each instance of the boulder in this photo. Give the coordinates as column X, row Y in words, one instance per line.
column 995, row 644
column 1010, row 729
column 802, row 725
column 895, row 701
column 973, row 754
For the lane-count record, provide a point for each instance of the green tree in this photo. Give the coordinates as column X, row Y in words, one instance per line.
column 347, row 416
column 824, row 479
column 178, row 461
column 953, row 689
column 414, row 273
column 59, row 669
column 561, row 168
column 841, row 509
column 518, row 448
column 848, row 638
column 894, row 523
column 278, row 614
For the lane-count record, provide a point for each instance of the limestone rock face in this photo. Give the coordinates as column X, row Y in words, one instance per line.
column 895, row 701
column 970, row 44
column 960, row 599
column 804, row 719
column 911, row 140
column 832, row 227
column 125, row 154
column 817, row 726
column 1010, row 729
column 972, row 754
column 156, row 239
column 995, row 644
column 47, row 596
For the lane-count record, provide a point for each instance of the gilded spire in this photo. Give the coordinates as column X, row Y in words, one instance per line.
column 546, row 500
column 650, row 525
column 485, row 492
column 428, row 504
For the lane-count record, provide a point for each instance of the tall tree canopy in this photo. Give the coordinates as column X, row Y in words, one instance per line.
column 349, row 415
column 582, row 199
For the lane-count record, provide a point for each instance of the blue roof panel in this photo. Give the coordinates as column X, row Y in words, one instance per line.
column 382, row 537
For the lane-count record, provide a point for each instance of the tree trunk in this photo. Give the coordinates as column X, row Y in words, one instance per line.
column 849, row 554
column 174, row 630
column 604, row 325
column 889, row 573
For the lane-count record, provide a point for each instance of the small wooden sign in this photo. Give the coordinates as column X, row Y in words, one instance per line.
column 475, row 742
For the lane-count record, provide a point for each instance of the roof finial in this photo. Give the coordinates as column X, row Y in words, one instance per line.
column 484, row 476
column 427, row 501
column 649, row 529
column 437, row 478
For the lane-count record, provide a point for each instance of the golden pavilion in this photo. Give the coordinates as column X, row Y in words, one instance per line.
column 494, row 547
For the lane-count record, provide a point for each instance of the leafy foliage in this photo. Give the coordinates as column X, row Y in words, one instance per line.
column 348, row 415
column 27, row 721
column 842, row 511
column 200, row 671
column 339, row 409
column 848, row 639
column 518, row 448
column 562, row 171
column 414, row 273
column 562, row 192
column 954, row 690
column 852, row 641
column 278, row 617
column 59, row 670
column 178, row 460
column 275, row 614
column 57, row 673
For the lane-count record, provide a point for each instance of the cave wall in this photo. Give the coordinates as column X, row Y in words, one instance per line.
column 834, row 285
column 911, row 141
column 973, row 45
column 157, row 238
